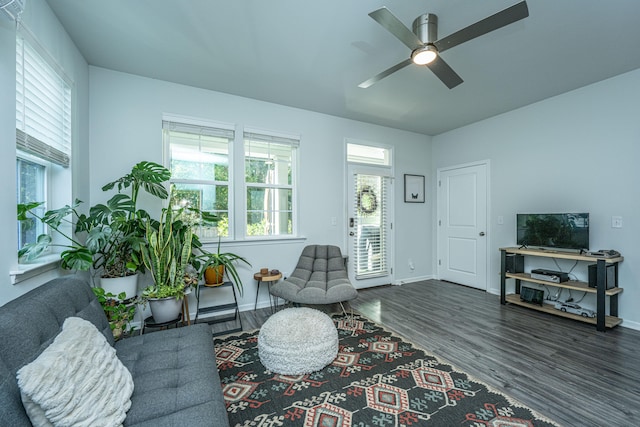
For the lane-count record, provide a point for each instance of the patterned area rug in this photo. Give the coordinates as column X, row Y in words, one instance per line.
column 377, row 380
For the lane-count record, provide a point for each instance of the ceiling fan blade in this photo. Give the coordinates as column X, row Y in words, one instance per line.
column 505, row 17
column 392, row 24
column 385, row 73
column 444, row 72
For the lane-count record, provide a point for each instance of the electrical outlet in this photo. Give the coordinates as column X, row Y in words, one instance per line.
column 500, row 220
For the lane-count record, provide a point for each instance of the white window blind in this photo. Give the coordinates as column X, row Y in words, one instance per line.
column 370, row 248
column 43, row 106
column 193, row 129
column 261, row 137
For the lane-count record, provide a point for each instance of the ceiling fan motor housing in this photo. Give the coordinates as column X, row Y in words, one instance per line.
column 426, row 28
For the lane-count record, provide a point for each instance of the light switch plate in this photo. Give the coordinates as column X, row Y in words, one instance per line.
column 616, row 222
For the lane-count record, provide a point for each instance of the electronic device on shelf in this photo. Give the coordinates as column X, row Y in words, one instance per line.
column 531, row 295
column 549, row 275
column 609, row 276
column 604, row 253
column 514, row 263
column 553, row 230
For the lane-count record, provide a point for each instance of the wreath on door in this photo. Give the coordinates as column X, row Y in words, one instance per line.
column 367, row 200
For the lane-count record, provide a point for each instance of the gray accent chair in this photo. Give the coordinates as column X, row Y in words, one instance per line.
column 320, row 277
column 174, row 371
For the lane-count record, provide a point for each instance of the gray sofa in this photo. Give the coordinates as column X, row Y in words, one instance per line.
column 174, row 371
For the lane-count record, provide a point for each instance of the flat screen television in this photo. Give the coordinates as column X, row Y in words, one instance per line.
column 561, row 230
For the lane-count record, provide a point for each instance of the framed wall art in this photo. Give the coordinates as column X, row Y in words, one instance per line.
column 413, row 188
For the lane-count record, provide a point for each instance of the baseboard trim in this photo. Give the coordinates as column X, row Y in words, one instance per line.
column 404, row 281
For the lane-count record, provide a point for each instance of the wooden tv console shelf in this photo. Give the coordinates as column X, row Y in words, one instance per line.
column 602, row 321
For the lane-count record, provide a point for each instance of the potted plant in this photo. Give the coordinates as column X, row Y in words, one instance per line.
column 216, row 265
column 166, row 256
column 119, row 312
column 114, row 232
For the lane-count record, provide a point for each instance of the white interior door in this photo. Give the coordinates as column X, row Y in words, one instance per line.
column 369, row 227
column 462, row 225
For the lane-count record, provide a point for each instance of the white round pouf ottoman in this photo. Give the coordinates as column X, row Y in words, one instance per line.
column 297, row 341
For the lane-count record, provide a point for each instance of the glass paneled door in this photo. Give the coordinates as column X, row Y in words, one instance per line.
column 369, row 228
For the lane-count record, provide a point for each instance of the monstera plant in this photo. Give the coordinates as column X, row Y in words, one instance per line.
column 76, row 256
column 109, row 239
column 116, row 230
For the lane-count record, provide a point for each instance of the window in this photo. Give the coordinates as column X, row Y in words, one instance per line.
column 199, row 160
column 30, row 178
column 43, row 130
column 368, row 155
column 269, row 163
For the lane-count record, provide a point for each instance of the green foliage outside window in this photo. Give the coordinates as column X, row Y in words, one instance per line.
column 212, row 198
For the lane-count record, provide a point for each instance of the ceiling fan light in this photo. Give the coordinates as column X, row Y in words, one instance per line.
column 424, row 55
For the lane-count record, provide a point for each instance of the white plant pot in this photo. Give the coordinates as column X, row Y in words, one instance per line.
column 116, row 285
column 165, row 309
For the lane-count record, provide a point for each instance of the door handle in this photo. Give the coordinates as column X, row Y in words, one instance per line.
column 481, row 233
column 352, row 234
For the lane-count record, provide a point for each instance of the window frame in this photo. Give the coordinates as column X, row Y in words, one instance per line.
column 213, row 126
column 54, row 150
column 237, row 193
column 58, row 178
column 293, row 141
column 26, row 157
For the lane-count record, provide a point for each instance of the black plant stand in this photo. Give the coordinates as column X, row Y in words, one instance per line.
column 150, row 322
column 219, row 308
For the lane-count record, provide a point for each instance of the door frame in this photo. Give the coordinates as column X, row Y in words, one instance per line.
column 363, row 168
column 487, row 164
column 379, row 171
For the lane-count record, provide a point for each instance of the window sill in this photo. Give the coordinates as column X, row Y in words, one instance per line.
column 27, row 271
column 254, row 241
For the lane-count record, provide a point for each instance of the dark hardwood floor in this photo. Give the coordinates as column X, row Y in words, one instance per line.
column 562, row 368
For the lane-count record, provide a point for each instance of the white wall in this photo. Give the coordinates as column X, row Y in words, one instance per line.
column 126, row 113
column 7, row 154
column 41, row 22
column 574, row 152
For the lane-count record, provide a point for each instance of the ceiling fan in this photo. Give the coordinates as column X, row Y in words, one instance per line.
column 425, row 45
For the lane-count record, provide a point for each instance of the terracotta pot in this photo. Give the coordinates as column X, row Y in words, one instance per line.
column 214, row 276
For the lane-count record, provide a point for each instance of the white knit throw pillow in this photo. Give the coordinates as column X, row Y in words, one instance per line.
column 76, row 381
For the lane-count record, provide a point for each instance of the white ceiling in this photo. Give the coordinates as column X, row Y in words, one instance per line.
column 313, row 54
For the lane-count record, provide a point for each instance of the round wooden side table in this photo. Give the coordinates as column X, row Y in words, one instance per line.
column 268, row 278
